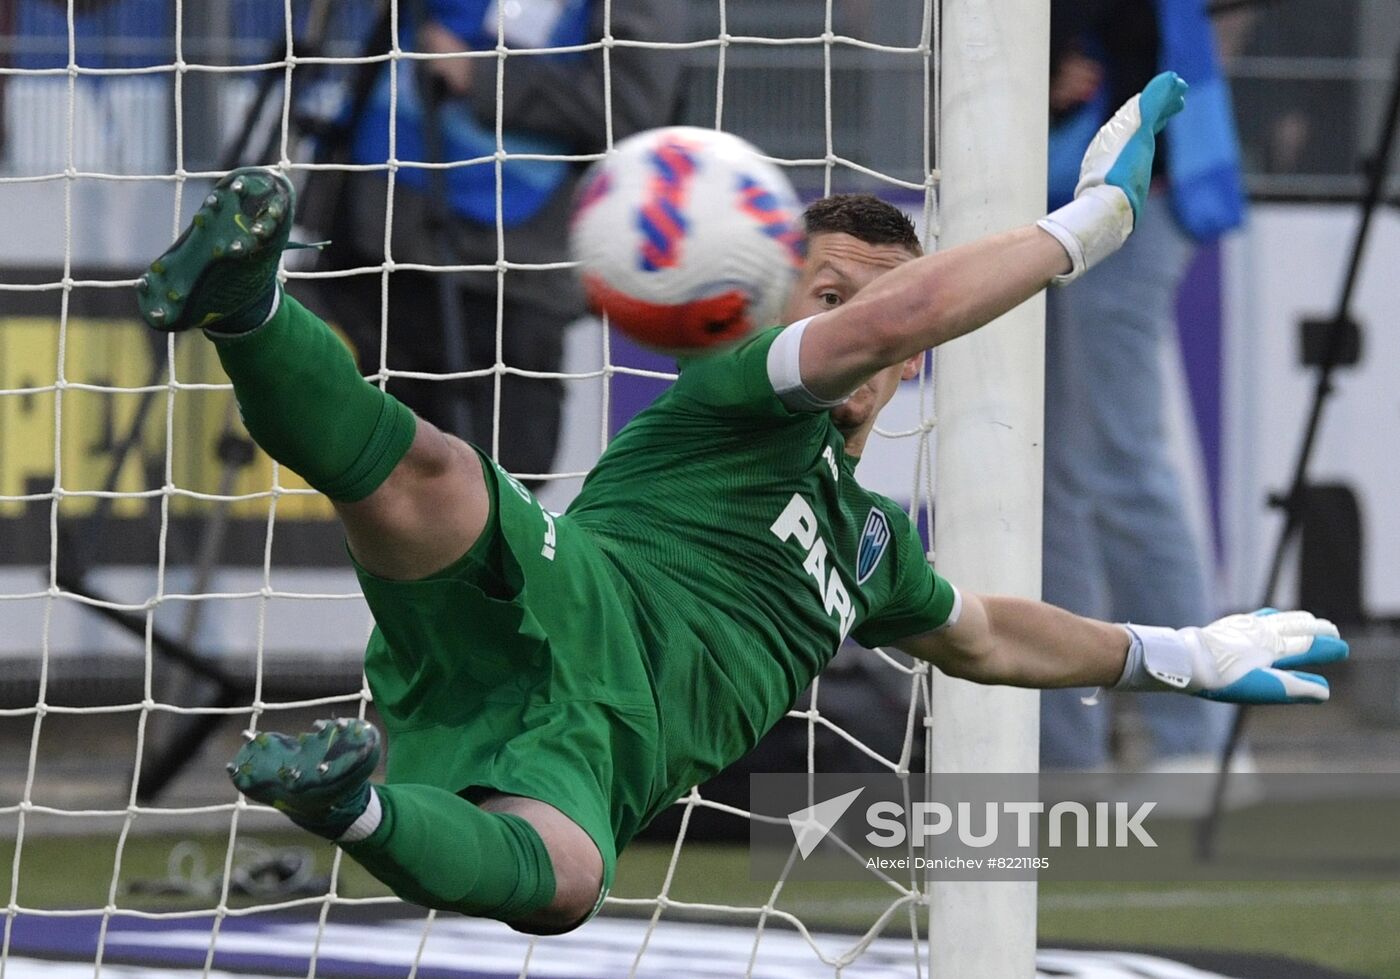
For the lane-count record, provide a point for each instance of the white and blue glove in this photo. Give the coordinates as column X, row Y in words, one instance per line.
column 1240, row 659
column 1114, row 177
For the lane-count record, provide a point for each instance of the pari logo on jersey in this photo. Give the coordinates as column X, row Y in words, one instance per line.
column 873, row 541
column 799, row 522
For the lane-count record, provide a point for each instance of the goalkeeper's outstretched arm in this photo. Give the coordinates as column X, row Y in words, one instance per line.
column 1252, row 658
column 942, row 296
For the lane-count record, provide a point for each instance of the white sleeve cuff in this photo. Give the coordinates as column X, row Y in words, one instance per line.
column 1158, row 659
column 785, row 371
column 1090, row 228
column 956, row 612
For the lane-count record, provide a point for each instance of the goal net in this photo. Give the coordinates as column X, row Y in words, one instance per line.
column 163, row 585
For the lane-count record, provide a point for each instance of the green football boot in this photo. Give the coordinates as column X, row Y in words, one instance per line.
column 319, row 779
column 225, row 263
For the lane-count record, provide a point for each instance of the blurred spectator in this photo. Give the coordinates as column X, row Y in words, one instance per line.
column 1117, row 540
column 1300, row 121
column 551, row 104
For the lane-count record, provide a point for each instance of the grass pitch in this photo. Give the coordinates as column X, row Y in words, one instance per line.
column 1348, row 926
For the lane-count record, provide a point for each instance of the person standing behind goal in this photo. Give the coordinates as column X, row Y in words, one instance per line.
column 551, row 104
column 551, row 682
column 1117, row 540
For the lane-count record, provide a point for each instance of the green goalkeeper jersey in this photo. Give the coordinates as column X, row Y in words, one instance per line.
column 751, row 552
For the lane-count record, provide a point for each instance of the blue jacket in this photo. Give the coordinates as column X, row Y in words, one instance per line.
column 1203, row 169
column 526, row 185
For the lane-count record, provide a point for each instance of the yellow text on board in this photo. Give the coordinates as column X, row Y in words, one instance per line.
column 64, row 435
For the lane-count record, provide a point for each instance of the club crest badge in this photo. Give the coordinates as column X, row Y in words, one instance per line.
column 873, row 541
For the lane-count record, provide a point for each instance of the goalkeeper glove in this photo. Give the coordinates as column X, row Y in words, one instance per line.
column 1114, row 177
column 1240, row 659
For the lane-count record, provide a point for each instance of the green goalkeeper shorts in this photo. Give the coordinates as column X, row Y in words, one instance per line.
column 518, row 669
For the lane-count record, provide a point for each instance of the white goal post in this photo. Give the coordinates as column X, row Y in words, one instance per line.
column 993, row 78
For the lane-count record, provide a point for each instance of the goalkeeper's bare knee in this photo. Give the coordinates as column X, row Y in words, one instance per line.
column 578, row 866
column 426, row 514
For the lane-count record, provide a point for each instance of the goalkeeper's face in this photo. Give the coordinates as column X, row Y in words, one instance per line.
column 838, row 266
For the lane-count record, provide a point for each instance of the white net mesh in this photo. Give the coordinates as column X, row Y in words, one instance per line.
column 142, row 538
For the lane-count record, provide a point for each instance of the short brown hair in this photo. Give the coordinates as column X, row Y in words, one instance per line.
column 865, row 217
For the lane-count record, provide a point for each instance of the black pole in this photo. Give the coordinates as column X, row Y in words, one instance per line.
column 1292, row 503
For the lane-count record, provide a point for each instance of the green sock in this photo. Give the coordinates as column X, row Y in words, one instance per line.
column 441, row 851
column 303, row 400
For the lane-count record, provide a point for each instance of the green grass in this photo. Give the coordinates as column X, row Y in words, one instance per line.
column 1353, row 927
column 77, row 871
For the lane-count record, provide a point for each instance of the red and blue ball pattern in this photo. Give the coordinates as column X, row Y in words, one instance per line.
column 687, row 239
column 662, row 216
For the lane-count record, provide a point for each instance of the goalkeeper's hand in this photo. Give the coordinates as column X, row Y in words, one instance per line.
column 1114, row 177
column 1240, row 659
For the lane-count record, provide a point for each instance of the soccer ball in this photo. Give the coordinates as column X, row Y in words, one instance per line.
column 687, row 239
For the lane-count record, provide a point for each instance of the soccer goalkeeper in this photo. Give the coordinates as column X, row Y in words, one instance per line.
column 551, row 682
